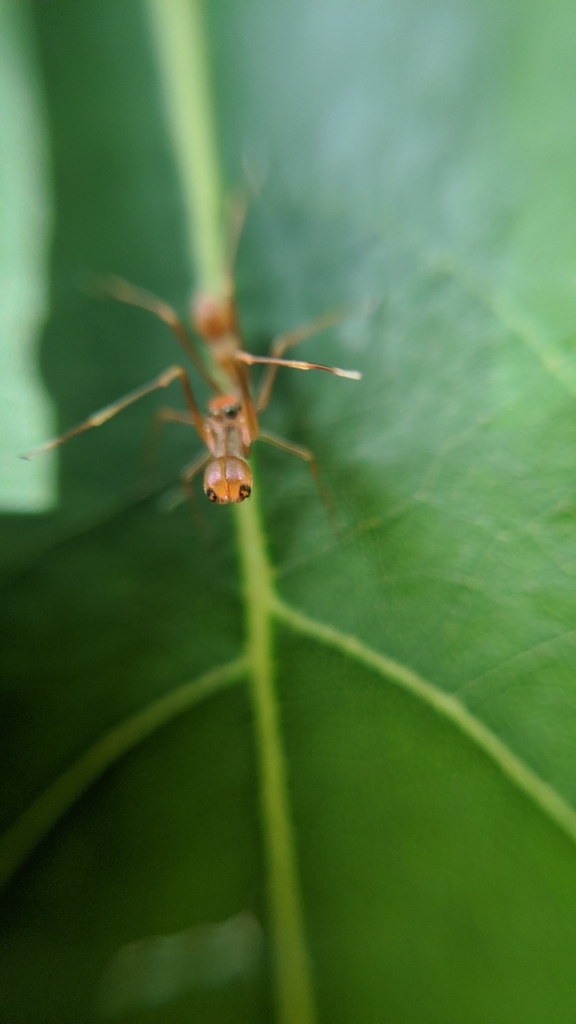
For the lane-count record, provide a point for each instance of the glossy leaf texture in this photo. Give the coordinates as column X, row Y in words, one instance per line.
column 421, row 156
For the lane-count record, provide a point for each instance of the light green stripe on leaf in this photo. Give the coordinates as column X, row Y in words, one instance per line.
column 18, row 842
column 546, row 798
column 26, row 412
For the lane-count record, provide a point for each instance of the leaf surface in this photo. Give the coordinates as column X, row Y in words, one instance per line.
column 420, row 155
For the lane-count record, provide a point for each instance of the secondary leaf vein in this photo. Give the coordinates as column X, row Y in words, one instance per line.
column 19, row 841
column 540, row 792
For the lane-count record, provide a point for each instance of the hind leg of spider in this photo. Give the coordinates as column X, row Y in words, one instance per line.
column 163, row 380
column 177, row 496
column 237, row 213
column 307, row 456
column 193, row 468
column 152, row 444
column 124, row 291
column 287, row 341
column 191, row 471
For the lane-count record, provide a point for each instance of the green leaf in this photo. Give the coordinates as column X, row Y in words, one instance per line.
column 392, row 798
column 25, row 215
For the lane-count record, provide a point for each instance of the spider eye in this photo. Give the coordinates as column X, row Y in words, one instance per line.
column 232, row 411
column 211, row 495
column 244, row 492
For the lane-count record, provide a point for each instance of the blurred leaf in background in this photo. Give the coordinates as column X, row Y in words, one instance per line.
column 156, row 971
column 26, row 416
column 422, row 155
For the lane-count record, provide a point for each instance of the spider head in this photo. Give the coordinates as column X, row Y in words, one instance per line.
column 227, row 479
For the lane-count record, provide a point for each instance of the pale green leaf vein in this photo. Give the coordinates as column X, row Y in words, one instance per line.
column 509, row 313
column 18, row 842
column 295, row 996
column 544, row 647
column 525, row 327
column 541, row 793
column 182, row 49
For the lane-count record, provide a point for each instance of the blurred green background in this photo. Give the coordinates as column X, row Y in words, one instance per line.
column 422, row 154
